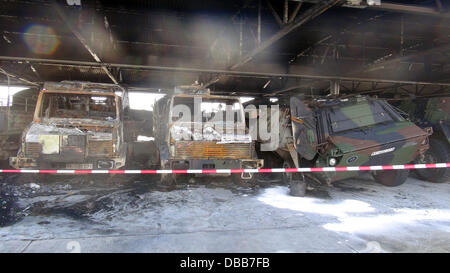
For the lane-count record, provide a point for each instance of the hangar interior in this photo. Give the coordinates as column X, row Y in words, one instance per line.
column 68, row 185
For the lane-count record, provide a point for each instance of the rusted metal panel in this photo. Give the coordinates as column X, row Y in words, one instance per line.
column 100, row 148
column 210, row 149
column 32, row 149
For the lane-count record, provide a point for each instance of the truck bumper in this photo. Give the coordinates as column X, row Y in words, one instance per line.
column 89, row 164
column 185, row 164
column 22, row 162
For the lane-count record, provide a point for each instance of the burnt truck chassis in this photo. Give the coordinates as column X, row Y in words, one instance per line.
column 72, row 143
column 198, row 154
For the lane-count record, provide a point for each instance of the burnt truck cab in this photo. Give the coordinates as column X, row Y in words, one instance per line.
column 358, row 131
column 212, row 135
column 76, row 125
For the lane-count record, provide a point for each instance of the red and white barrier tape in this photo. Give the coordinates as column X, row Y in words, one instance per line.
column 221, row 171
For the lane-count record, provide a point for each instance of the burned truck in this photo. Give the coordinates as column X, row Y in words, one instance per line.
column 196, row 130
column 359, row 131
column 76, row 125
column 435, row 113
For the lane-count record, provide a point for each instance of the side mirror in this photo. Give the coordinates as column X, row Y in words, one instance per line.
column 126, row 113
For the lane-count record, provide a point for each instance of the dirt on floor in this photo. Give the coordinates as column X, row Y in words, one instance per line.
column 351, row 215
column 82, row 196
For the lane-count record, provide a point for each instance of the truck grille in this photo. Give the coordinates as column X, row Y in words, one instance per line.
column 100, row 148
column 211, row 150
column 32, row 149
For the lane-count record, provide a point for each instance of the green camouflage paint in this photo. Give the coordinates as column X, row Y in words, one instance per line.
column 430, row 112
column 360, row 131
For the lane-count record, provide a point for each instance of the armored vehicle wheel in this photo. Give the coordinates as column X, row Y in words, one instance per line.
column 438, row 153
column 297, row 188
column 391, row 178
column 297, row 185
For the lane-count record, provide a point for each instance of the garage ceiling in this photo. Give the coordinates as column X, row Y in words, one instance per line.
column 245, row 47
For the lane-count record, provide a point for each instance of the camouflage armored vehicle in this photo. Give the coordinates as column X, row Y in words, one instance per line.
column 76, row 125
column 196, row 130
column 360, row 131
column 13, row 120
column 435, row 113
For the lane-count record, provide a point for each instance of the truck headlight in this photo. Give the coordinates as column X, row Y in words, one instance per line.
column 332, row 161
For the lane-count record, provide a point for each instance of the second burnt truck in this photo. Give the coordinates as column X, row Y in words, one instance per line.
column 76, row 125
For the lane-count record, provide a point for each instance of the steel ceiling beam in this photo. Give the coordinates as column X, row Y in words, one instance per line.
column 400, row 8
column 84, row 43
column 214, row 43
column 286, row 12
column 236, row 73
column 380, row 65
column 387, row 62
column 275, row 14
column 12, row 75
column 295, row 12
column 308, row 15
column 412, row 9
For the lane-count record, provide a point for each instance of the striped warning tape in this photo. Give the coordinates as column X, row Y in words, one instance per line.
column 276, row 170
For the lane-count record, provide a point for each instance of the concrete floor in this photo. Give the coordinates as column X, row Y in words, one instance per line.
column 353, row 216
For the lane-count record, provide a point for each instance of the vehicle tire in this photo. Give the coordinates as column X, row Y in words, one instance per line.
column 297, row 188
column 296, row 182
column 437, row 153
column 391, row 178
column 108, row 179
column 44, row 178
column 167, row 179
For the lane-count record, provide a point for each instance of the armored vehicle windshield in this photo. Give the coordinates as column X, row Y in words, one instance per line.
column 358, row 116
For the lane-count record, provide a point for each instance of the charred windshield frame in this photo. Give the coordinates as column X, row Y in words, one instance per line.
column 78, row 105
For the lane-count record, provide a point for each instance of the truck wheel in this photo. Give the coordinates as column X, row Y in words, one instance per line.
column 437, row 153
column 236, row 177
column 167, row 179
column 391, row 178
column 44, row 178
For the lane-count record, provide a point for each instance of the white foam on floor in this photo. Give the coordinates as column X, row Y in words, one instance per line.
column 279, row 197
